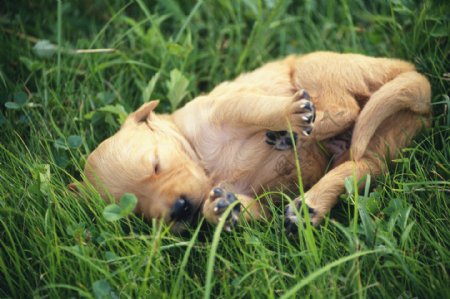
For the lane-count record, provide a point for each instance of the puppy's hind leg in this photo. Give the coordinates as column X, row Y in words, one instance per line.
column 336, row 113
column 408, row 91
column 395, row 133
column 324, row 194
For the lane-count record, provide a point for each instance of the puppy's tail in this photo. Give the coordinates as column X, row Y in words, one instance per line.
column 409, row 90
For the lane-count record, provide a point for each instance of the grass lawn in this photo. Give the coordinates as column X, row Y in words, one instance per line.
column 58, row 101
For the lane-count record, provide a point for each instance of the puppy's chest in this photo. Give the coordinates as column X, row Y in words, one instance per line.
column 227, row 153
column 238, row 157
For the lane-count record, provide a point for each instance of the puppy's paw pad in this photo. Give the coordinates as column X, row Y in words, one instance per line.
column 292, row 221
column 280, row 140
column 221, row 201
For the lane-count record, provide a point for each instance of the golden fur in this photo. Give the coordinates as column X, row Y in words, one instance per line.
column 218, row 139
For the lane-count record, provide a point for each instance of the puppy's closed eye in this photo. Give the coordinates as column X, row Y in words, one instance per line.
column 156, row 168
column 155, row 163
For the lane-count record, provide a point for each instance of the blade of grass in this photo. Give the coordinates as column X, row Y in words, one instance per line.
column 311, row 277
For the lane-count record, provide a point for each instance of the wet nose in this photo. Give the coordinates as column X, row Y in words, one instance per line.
column 181, row 209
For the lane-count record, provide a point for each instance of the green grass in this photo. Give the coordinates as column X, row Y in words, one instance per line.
column 55, row 110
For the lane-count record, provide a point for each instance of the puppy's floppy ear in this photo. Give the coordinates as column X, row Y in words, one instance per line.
column 141, row 114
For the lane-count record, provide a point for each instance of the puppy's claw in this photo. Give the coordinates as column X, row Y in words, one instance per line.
column 303, row 94
column 305, row 105
column 221, row 206
column 307, row 131
column 216, row 193
column 308, row 117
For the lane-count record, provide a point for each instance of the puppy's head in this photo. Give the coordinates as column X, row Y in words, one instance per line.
column 150, row 158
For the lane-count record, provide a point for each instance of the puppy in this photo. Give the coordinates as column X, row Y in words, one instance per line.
column 235, row 142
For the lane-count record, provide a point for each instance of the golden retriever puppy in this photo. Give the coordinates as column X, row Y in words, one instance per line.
column 234, row 142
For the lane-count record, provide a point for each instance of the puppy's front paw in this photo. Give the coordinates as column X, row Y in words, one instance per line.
column 292, row 214
column 280, row 140
column 216, row 205
column 304, row 112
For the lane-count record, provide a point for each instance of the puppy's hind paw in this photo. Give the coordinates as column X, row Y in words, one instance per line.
column 291, row 217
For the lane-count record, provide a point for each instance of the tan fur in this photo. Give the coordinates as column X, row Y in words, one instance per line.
column 218, row 139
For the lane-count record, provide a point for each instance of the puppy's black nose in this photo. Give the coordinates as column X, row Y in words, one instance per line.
column 181, row 209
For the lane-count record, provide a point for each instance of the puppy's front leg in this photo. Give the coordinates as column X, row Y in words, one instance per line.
column 218, row 202
column 266, row 112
